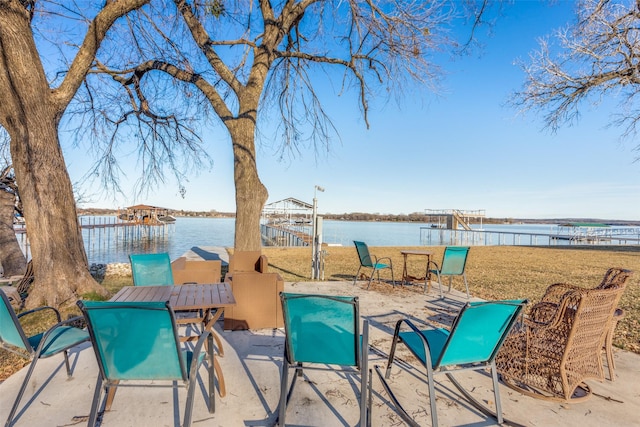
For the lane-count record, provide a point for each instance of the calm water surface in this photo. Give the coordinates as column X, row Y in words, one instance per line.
column 109, row 246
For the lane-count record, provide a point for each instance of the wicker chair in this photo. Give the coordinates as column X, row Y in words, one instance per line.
column 546, row 308
column 551, row 359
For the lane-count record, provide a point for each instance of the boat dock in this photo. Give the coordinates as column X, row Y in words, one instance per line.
column 100, row 232
column 610, row 236
column 287, row 222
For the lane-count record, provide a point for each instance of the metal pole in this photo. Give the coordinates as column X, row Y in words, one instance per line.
column 314, row 218
column 315, row 247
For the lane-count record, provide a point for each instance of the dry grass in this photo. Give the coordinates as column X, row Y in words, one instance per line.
column 494, row 272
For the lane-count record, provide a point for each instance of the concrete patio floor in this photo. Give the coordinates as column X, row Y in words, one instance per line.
column 251, row 367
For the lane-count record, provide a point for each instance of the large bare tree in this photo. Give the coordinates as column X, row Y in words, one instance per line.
column 239, row 58
column 30, row 112
column 596, row 58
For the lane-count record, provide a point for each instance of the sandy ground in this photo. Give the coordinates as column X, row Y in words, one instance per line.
column 252, row 364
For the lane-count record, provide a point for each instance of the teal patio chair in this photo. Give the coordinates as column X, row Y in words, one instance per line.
column 324, row 330
column 58, row 339
column 476, row 336
column 454, row 262
column 138, row 341
column 151, row 269
column 369, row 261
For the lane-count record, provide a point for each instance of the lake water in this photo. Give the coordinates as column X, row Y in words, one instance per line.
column 107, row 246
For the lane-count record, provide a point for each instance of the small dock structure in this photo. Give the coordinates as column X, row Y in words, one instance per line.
column 132, row 224
column 146, row 214
column 454, row 218
column 287, row 222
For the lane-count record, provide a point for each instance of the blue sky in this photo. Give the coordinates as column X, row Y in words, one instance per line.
column 460, row 149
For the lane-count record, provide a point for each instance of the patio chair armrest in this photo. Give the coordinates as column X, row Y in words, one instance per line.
column 52, row 329
column 35, row 310
column 411, row 325
column 435, row 264
column 555, row 292
column 383, row 258
column 531, row 323
column 565, row 307
column 71, row 321
column 417, row 331
column 408, row 322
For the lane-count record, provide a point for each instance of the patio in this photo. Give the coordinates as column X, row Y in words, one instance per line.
column 252, row 372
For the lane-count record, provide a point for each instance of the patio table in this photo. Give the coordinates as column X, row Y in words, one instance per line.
column 406, row 277
column 212, row 299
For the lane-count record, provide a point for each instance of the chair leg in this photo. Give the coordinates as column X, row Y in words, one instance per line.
column 496, row 392
column 356, row 276
column 480, row 405
column 188, row 407
column 392, row 352
column 66, row 363
column 466, row 285
column 369, row 398
column 95, row 405
column 212, row 376
column 608, row 346
column 610, row 363
column 364, row 372
column 282, row 405
column 23, row 388
column 439, row 283
column 371, row 278
column 393, row 281
column 432, row 396
column 427, row 282
column 401, row 411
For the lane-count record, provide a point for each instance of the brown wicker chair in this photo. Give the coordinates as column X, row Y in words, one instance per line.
column 545, row 309
column 552, row 359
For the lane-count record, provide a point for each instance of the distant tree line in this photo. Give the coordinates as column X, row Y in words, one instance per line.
column 178, row 213
column 412, row 217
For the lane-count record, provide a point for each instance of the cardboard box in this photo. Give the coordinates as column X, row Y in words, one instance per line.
column 257, row 293
column 196, row 271
column 257, row 301
column 248, row 261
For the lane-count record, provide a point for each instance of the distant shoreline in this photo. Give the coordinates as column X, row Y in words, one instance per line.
column 367, row 217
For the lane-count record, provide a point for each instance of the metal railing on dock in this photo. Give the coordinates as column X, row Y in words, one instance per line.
column 430, row 236
column 285, row 234
column 104, row 233
column 101, row 233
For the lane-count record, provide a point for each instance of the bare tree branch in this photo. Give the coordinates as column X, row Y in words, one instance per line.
column 84, row 58
column 598, row 57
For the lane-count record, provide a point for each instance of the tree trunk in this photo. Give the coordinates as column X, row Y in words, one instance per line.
column 30, row 116
column 11, row 257
column 251, row 194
